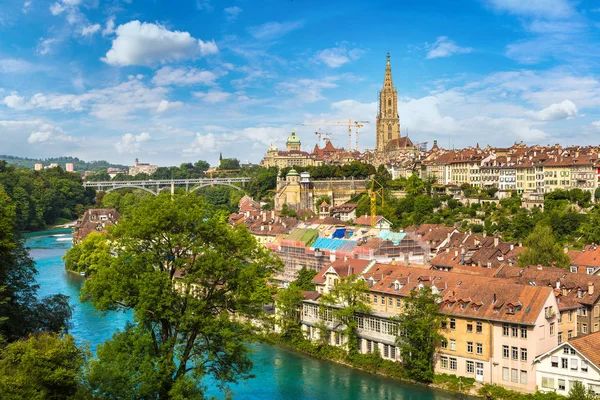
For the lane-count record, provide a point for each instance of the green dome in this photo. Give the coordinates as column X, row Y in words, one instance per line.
column 293, row 138
column 292, row 172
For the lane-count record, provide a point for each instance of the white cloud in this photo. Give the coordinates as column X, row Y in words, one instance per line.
column 213, row 96
column 202, row 144
column 130, row 143
column 444, row 47
column 90, row 30
column 147, row 44
column 204, row 5
column 557, row 111
column 274, row 30
column 39, row 137
column 535, row 8
column 307, row 90
column 232, row 12
column 109, row 28
column 168, row 105
column 112, row 103
column 26, row 6
column 16, row 66
column 183, row 76
column 596, row 124
column 337, row 56
column 36, row 131
column 45, row 46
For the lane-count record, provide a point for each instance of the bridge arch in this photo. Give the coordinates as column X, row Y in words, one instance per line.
column 203, row 185
column 131, row 187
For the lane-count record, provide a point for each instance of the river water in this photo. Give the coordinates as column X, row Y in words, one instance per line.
column 280, row 374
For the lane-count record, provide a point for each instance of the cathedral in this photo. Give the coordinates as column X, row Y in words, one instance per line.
column 390, row 145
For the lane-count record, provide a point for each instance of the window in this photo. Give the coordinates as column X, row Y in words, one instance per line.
column 479, row 348
column 390, row 127
column 569, row 334
column 444, row 344
column 505, row 330
column 523, row 377
column 514, row 375
column 444, row 325
column 444, row 362
column 554, row 360
column 470, row 367
column 584, row 366
column 359, row 345
column 515, row 331
column 596, row 327
column 452, row 344
column 505, row 351
column 560, row 337
column 368, row 297
column 469, row 347
column 453, row 364
column 566, row 350
column 504, row 374
column 369, row 344
column 562, row 384
column 469, row 327
column 570, row 316
column 398, row 303
column 515, row 353
column 523, row 354
column 452, row 323
column 386, row 350
column 547, row 383
column 374, row 299
column 583, row 328
column 564, row 363
column 390, row 302
column 552, row 329
column 524, row 332
column 479, row 327
column 574, row 364
column 337, row 339
column 382, row 300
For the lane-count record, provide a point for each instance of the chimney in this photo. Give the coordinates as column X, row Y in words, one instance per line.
column 264, row 217
column 590, row 288
column 455, row 253
column 494, row 299
column 558, row 283
column 496, row 240
column 512, row 246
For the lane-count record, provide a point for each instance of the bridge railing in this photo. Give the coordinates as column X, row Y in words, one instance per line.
column 161, row 182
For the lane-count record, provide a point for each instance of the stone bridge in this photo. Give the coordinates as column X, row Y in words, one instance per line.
column 156, row 186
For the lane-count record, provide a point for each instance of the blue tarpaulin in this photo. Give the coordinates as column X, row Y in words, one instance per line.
column 339, row 233
column 394, row 237
column 333, row 244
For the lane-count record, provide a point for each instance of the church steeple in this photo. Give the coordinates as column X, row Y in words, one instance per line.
column 388, row 121
column 387, row 81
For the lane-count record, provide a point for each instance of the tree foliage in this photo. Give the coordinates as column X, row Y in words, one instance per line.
column 304, row 279
column 346, row 299
column 23, row 311
column 419, row 337
column 579, row 392
column 542, row 249
column 184, row 272
column 43, row 366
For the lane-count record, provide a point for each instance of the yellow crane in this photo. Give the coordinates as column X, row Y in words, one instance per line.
column 373, row 193
column 350, row 123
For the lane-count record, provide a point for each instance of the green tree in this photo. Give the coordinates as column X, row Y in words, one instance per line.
column 542, row 249
column 304, row 279
column 43, row 366
column 347, row 299
column 93, row 252
column 288, row 304
column 578, row 392
column 185, row 273
column 419, row 337
column 286, row 211
column 229, row 163
column 414, row 185
column 23, row 311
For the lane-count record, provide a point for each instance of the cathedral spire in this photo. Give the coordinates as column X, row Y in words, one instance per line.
column 387, row 81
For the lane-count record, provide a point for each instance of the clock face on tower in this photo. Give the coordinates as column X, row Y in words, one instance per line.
column 388, row 122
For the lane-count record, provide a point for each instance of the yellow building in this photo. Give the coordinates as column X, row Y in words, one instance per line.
column 557, row 174
column 292, row 156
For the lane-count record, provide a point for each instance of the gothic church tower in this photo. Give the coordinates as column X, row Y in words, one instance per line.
column 388, row 121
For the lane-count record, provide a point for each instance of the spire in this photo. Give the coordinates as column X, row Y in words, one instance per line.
column 220, row 156
column 387, row 82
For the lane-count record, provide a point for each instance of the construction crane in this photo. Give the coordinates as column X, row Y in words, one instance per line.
column 373, row 193
column 325, row 135
column 350, row 123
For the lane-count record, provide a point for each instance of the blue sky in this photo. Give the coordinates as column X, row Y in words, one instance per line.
column 177, row 81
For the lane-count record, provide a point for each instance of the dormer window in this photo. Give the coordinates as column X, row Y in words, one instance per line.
column 463, row 305
column 510, row 309
column 397, row 286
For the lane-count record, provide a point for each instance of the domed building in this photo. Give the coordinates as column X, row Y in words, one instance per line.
column 292, row 156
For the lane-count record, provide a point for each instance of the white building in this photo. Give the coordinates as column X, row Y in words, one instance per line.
column 576, row 360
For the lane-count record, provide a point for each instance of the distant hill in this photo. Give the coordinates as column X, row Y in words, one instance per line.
column 79, row 165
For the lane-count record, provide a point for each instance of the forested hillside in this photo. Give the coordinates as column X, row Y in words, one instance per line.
column 80, row 165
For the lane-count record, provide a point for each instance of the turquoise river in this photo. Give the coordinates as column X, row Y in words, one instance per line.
column 279, row 373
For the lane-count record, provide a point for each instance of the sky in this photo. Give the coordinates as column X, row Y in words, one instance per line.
column 171, row 82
